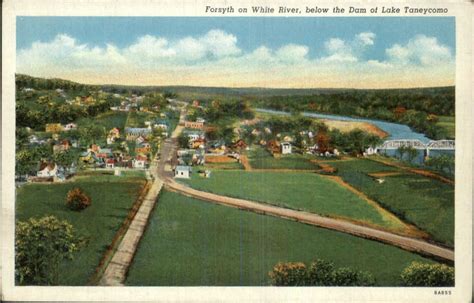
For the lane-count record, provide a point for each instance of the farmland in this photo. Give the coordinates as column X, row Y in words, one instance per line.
column 221, row 246
column 297, row 190
column 424, row 202
column 448, row 123
column 112, row 197
column 259, row 158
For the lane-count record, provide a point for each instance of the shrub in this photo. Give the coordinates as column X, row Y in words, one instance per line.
column 320, row 273
column 420, row 274
column 77, row 200
column 288, row 274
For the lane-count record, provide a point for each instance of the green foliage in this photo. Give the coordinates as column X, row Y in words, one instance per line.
column 419, row 274
column 320, row 273
column 288, row 274
column 40, row 245
column 77, row 200
column 442, row 163
column 183, row 140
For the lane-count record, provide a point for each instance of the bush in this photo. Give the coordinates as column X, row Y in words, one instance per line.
column 77, row 200
column 288, row 274
column 419, row 274
column 320, row 273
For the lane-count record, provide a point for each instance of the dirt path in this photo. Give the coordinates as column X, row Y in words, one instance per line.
column 411, row 244
column 245, row 162
column 417, row 171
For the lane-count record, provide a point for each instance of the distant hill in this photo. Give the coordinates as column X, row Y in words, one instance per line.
column 190, row 92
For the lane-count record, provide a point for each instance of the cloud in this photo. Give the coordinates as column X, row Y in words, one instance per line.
column 339, row 50
column 421, row 50
column 215, row 58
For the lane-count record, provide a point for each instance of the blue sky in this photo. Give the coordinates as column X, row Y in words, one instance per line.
column 312, row 39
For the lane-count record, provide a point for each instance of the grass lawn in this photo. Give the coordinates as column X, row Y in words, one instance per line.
column 190, row 243
column 260, row 158
column 299, row 190
column 110, row 120
column 137, row 119
column 112, row 197
column 425, row 202
column 448, row 123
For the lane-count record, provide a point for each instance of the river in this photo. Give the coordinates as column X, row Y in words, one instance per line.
column 395, row 130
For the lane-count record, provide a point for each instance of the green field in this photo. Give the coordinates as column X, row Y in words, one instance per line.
column 299, row 190
column 137, row 119
column 260, row 158
column 190, row 243
column 448, row 123
column 425, row 202
column 109, row 120
column 112, row 198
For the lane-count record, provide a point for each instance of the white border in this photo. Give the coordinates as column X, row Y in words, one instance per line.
column 463, row 191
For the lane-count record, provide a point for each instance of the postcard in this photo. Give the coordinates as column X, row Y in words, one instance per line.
column 237, row 151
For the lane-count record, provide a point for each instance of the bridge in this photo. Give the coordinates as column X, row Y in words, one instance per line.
column 447, row 145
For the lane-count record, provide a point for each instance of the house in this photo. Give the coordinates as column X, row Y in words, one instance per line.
column 70, row 126
column 370, row 151
column 47, row 170
column 198, row 143
column 200, row 120
column 161, row 124
column 110, row 163
column 132, row 133
column 256, row 132
column 285, row 148
column 53, row 127
column 143, row 148
column 194, row 124
column 64, row 145
column 240, row 144
column 104, row 153
column 194, row 135
column 33, row 139
column 182, row 172
column 140, row 161
column 195, row 103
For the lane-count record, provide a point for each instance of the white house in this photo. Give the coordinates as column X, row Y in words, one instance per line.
column 285, row 148
column 182, row 171
column 70, row 126
column 47, row 170
column 110, row 163
column 370, row 151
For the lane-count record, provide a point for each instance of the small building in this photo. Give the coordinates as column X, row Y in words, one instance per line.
column 194, row 124
column 132, row 133
column 194, row 135
column 114, row 133
column 110, row 163
column 53, row 127
column 143, row 148
column 64, row 145
column 240, row 144
column 182, row 172
column 47, row 170
column 370, row 151
column 285, row 148
column 273, row 146
column 195, row 103
column 140, row 161
column 161, row 124
column 70, row 126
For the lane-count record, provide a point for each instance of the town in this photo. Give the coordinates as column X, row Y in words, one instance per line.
column 129, row 148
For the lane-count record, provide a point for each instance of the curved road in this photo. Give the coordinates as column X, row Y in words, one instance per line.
column 416, row 245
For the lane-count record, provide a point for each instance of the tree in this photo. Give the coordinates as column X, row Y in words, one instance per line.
column 322, row 140
column 40, row 246
column 183, row 140
column 77, row 200
column 411, row 153
column 422, row 274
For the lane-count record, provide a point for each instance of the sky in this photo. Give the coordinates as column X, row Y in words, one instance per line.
column 359, row 52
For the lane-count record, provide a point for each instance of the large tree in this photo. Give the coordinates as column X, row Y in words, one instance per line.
column 40, row 246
